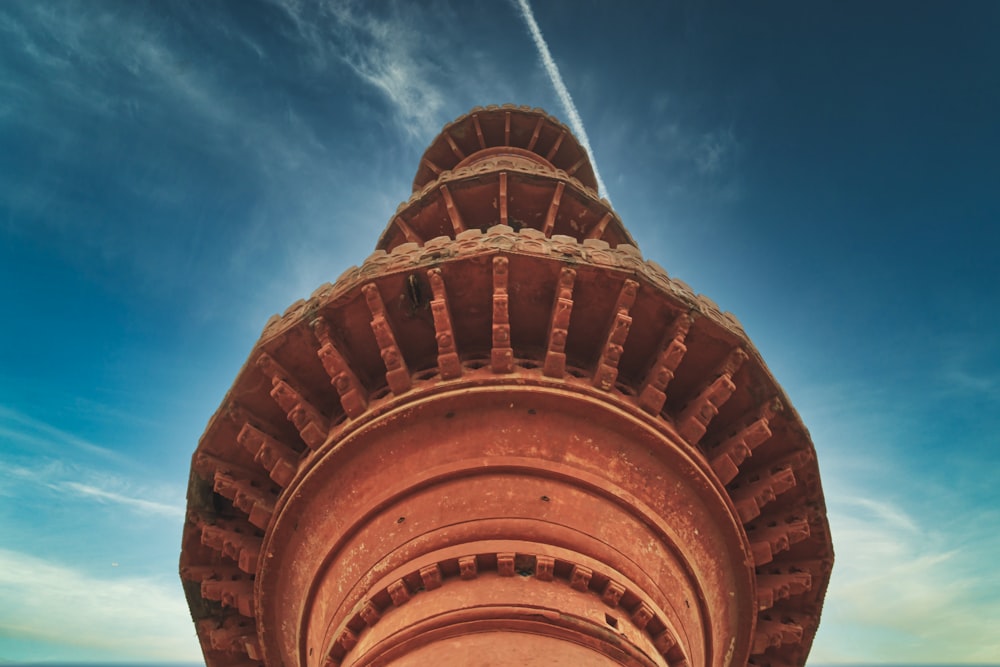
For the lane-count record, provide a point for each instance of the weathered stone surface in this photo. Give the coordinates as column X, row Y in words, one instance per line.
column 505, row 424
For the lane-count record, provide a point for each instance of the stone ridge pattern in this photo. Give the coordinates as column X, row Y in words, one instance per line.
column 499, row 125
column 605, row 222
column 531, row 241
column 451, row 310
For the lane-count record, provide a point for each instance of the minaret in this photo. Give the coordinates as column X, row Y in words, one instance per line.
column 505, row 439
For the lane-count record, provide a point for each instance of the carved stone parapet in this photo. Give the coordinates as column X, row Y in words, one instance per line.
column 232, row 635
column 397, row 375
column 307, row 419
column 562, row 309
column 353, row 396
column 235, row 594
column 274, row 456
column 449, row 365
column 767, row 540
column 457, row 225
column 751, row 497
column 694, row 420
column 727, row 457
column 771, row 634
column 607, row 366
column 652, row 394
column 550, row 216
column 240, row 547
column 247, row 496
column 781, row 585
column 501, row 354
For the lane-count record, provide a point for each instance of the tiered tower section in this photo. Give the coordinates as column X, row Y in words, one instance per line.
column 505, row 439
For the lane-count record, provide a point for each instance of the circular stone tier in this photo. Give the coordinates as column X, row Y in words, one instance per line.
column 509, row 443
column 530, row 129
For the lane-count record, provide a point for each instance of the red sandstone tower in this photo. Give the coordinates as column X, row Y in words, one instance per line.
column 505, row 439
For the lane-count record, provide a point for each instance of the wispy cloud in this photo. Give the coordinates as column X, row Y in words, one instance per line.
column 883, row 513
column 386, row 52
column 565, row 99
column 713, row 151
column 390, row 65
column 139, row 504
column 127, row 617
column 915, row 578
column 968, row 365
column 19, row 427
column 141, row 74
column 925, row 585
column 54, row 476
column 679, row 131
column 140, row 108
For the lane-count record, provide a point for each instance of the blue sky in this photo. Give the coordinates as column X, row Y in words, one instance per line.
column 171, row 174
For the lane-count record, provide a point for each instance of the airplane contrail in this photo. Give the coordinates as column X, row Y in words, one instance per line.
column 564, row 97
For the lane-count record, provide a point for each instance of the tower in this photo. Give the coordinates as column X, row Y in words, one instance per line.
column 505, row 439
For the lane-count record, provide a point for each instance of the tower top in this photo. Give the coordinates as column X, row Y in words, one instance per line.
column 529, row 133
column 504, row 165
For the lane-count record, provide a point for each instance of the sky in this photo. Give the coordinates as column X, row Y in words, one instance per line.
column 171, row 174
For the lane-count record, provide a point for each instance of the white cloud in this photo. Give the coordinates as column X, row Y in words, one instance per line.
column 138, row 504
column 565, row 99
column 882, row 512
column 388, row 53
column 147, row 74
column 896, row 577
column 86, row 71
column 714, row 151
column 968, row 367
column 914, row 580
column 114, row 617
column 711, row 151
column 19, row 427
column 48, row 475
